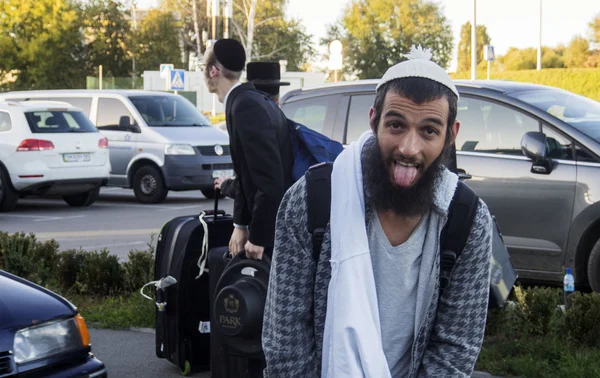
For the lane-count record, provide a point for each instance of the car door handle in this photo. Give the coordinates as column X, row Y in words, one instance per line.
column 462, row 175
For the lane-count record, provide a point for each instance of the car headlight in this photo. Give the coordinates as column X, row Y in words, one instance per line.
column 179, row 149
column 50, row 338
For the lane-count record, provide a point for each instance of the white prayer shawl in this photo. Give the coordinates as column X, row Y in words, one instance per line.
column 352, row 345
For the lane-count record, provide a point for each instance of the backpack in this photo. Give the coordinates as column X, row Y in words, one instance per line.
column 453, row 238
column 310, row 148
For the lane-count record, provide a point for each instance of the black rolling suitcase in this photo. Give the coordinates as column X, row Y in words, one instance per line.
column 182, row 310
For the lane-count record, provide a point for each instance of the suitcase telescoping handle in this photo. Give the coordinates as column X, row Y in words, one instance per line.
column 217, row 195
column 216, row 210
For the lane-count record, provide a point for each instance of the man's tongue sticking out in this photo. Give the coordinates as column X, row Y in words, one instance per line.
column 404, row 174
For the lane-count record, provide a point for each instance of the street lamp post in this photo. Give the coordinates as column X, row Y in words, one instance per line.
column 539, row 52
column 335, row 57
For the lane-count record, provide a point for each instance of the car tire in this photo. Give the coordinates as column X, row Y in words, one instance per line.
column 8, row 195
column 210, row 193
column 594, row 267
column 83, row 199
column 148, row 185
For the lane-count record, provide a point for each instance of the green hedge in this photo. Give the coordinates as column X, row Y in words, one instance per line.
column 534, row 337
column 96, row 273
column 530, row 337
column 583, row 81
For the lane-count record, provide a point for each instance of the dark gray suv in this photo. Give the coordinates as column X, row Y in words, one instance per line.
column 531, row 152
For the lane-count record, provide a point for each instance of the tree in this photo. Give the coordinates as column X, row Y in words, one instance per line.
column 157, row 41
column 379, row 31
column 464, row 46
column 265, row 34
column 107, row 38
column 595, row 29
column 40, row 45
column 578, row 52
column 194, row 21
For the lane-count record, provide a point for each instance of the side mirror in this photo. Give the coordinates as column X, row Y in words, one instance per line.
column 125, row 125
column 534, row 145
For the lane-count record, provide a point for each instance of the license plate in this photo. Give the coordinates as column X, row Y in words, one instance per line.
column 76, row 158
column 222, row 173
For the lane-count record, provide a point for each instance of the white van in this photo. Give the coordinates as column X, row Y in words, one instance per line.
column 158, row 141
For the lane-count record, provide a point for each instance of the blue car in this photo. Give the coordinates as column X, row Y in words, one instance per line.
column 42, row 334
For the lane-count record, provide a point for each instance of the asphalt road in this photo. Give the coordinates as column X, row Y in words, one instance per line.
column 116, row 221
column 131, row 354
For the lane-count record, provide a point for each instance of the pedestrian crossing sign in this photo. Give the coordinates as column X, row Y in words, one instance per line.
column 177, row 80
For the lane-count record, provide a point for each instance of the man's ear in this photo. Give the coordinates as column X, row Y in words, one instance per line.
column 372, row 120
column 455, row 128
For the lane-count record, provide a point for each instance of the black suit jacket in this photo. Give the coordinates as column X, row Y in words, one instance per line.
column 262, row 159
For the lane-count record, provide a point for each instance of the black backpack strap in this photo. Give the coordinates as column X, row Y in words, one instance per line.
column 457, row 229
column 318, row 203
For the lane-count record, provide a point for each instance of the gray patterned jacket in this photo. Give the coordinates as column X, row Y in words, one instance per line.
column 447, row 346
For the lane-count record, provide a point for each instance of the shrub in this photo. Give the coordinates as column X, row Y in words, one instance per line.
column 139, row 270
column 69, row 266
column 582, row 320
column 100, row 274
column 25, row 257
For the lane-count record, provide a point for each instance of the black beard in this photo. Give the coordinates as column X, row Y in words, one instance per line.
column 384, row 195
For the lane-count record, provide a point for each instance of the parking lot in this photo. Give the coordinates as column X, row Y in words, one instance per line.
column 116, row 221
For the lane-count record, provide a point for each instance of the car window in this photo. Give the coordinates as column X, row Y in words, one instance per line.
column 110, row 111
column 584, row 156
column 5, row 123
column 579, row 111
column 358, row 116
column 165, row 111
column 312, row 112
column 558, row 146
column 59, row 121
column 490, row 127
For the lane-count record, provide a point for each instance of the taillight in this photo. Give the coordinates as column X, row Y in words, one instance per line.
column 35, row 145
column 103, row 143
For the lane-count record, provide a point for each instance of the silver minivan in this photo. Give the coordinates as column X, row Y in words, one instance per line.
column 158, row 141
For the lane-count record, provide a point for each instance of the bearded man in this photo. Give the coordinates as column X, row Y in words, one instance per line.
column 370, row 303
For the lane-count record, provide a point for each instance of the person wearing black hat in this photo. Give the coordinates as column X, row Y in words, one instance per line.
column 266, row 77
column 260, row 148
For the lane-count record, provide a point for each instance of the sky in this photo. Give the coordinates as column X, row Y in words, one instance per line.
column 510, row 23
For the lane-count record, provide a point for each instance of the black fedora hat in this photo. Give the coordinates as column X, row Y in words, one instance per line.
column 265, row 74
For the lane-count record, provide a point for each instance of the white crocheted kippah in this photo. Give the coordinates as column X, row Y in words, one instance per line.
column 419, row 64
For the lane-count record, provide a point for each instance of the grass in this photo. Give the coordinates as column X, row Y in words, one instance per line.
column 543, row 357
column 116, row 312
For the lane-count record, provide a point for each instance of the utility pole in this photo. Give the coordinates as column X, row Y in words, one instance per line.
column 133, row 76
column 539, row 52
column 227, row 18
column 215, row 13
column 474, row 43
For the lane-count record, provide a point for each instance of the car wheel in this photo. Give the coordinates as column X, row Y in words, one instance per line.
column 83, row 199
column 210, row 193
column 8, row 195
column 594, row 267
column 148, row 185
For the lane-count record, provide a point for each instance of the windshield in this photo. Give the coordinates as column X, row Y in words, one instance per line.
column 169, row 111
column 59, row 121
column 578, row 111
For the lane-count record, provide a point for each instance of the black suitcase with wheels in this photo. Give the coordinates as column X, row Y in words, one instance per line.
column 182, row 310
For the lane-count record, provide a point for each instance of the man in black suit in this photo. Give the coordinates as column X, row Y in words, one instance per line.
column 260, row 148
column 266, row 77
